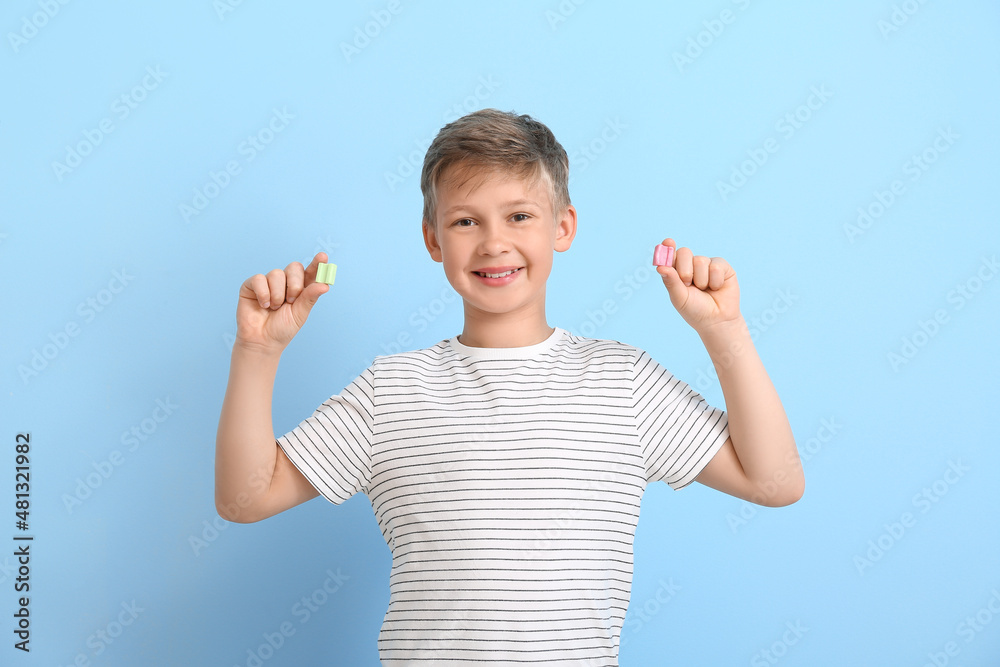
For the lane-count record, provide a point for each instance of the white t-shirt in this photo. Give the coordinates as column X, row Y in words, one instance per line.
column 507, row 482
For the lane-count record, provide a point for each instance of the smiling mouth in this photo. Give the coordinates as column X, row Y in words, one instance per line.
column 496, row 275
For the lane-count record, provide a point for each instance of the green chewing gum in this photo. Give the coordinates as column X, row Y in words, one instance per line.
column 325, row 273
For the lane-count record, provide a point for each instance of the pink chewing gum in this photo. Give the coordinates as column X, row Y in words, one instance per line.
column 663, row 255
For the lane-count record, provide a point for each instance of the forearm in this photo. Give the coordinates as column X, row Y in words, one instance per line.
column 758, row 426
column 244, row 446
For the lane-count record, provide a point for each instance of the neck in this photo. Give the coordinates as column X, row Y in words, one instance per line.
column 504, row 332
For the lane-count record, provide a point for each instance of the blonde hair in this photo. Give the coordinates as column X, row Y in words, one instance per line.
column 493, row 140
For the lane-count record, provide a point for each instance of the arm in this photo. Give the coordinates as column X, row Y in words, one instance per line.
column 759, row 462
column 253, row 477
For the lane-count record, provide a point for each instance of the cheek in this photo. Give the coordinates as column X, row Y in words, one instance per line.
column 453, row 267
column 544, row 260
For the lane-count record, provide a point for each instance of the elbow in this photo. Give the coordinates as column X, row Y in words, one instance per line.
column 225, row 515
column 225, row 511
column 235, row 511
column 790, row 494
column 780, row 490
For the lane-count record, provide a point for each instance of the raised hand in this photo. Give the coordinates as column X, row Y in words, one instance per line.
column 703, row 290
column 273, row 307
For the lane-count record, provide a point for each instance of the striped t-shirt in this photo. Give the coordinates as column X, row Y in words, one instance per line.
column 507, row 482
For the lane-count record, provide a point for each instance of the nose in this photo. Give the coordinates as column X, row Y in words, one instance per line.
column 493, row 239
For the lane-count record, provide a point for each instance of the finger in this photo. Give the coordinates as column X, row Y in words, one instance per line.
column 670, row 242
column 674, row 284
column 700, row 279
column 294, row 281
column 255, row 287
column 684, row 264
column 717, row 273
column 310, row 273
column 307, row 299
column 276, row 285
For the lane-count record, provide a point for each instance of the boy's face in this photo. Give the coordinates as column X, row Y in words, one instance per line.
column 494, row 223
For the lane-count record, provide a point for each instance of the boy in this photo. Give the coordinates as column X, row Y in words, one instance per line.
column 505, row 466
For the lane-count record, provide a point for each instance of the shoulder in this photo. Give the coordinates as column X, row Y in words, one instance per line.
column 424, row 360
column 593, row 349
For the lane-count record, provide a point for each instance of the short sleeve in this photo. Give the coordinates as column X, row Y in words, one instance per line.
column 332, row 448
column 678, row 430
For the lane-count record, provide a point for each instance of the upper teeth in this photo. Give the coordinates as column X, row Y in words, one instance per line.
column 498, row 275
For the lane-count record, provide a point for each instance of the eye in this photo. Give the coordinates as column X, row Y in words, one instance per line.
column 458, row 223
column 522, row 216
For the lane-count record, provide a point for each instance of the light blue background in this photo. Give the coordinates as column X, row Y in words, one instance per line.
column 846, row 302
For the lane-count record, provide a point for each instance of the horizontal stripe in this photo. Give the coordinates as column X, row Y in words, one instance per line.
column 508, row 489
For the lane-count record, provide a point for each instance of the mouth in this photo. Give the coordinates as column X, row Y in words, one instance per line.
column 502, row 273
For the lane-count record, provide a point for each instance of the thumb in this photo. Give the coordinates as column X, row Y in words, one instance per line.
column 303, row 305
column 676, row 288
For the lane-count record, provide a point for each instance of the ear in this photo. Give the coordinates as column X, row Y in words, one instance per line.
column 431, row 241
column 566, row 229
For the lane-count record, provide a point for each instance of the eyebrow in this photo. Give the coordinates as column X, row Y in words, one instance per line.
column 506, row 204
